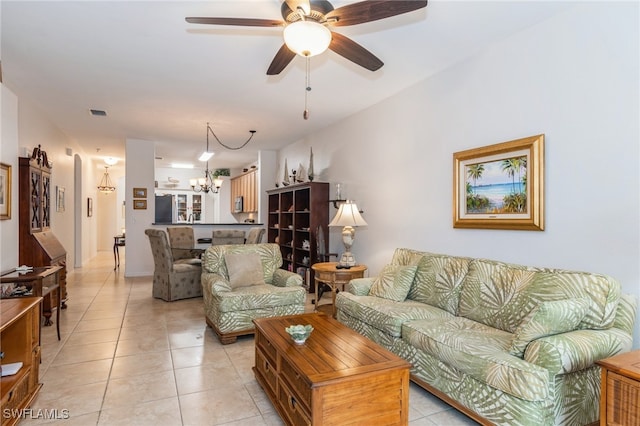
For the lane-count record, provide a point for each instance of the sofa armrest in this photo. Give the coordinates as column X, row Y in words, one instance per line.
column 283, row 278
column 576, row 350
column 360, row 286
column 214, row 283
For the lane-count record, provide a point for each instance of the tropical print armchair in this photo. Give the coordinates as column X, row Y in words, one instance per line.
column 242, row 282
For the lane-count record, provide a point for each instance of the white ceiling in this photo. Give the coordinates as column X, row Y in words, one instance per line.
column 162, row 79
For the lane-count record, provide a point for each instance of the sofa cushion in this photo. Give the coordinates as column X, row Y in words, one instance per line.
column 394, row 282
column 500, row 295
column 480, row 351
column 438, row 281
column 270, row 256
column 384, row 314
column 548, row 318
column 245, row 269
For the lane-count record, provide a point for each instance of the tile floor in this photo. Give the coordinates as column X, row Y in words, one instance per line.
column 128, row 359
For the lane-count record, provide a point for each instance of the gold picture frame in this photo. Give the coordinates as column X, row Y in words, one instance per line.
column 139, row 192
column 139, row 204
column 5, row 191
column 500, row 186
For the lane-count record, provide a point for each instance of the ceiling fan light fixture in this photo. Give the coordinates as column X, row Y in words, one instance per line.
column 307, row 38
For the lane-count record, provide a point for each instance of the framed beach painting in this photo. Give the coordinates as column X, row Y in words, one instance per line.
column 5, row 191
column 500, row 186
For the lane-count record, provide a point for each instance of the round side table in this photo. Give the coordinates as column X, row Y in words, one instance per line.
column 336, row 279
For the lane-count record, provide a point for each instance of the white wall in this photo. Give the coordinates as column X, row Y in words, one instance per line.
column 24, row 126
column 574, row 78
column 140, row 174
column 9, row 155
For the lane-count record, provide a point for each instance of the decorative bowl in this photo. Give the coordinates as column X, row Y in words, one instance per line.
column 299, row 333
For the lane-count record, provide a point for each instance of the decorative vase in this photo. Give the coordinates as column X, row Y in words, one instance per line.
column 285, row 179
column 310, row 171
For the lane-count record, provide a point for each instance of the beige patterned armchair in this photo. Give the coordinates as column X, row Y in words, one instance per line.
column 242, row 282
column 172, row 280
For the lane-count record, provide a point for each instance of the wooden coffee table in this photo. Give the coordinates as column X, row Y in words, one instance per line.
column 337, row 377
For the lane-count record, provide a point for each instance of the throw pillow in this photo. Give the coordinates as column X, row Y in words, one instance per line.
column 245, row 269
column 547, row 319
column 394, row 282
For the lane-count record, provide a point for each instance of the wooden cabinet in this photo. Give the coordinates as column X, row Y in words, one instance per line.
column 35, row 194
column 296, row 212
column 620, row 390
column 20, row 342
column 245, row 186
column 38, row 246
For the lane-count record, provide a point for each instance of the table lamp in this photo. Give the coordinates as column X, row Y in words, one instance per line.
column 348, row 217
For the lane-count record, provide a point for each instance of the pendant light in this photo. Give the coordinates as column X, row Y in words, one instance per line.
column 106, row 186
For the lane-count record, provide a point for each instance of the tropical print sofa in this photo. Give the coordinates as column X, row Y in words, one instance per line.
column 242, row 282
column 506, row 344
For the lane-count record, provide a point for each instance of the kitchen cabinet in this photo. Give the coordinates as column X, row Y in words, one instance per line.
column 245, row 186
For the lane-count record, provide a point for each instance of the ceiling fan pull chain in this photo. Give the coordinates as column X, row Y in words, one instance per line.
column 305, row 114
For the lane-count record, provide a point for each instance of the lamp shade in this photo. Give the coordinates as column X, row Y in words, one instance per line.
column 307, row 38
column 348, row 215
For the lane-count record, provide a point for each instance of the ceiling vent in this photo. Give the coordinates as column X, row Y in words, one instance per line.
column 98, row 113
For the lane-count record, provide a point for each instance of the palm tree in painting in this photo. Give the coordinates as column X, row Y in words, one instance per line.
column 475, row 172
column 513, row 166
column 516, row 202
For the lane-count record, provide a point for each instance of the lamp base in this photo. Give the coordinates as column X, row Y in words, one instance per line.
column 347, row 260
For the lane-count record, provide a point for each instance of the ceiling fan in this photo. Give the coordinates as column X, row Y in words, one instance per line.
column 306, row 23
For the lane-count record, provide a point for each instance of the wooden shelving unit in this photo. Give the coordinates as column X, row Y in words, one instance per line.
column 295, row 213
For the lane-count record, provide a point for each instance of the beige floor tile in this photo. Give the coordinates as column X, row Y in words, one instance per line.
column 200, row 355
column 148, row 330
column 101, row 314
column 97, row 336
column 140, row 364
column 142, row 345
column 127, row 392
column 66, row 419
column 81, row 353
column 163, row 412
column 70, row 375
column 99, row 324
column 205, row 377
column 77, row 400
column 186, row 338
column 217, row 406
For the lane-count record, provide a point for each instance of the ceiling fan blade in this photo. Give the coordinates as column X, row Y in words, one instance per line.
column 367, row 11
column 246, row 22
column 281, row 60
column 304, row 4
column 352, row 51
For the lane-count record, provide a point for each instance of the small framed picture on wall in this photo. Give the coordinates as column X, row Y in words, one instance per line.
column 60, row 198
column 139, row 204
column 139, row 192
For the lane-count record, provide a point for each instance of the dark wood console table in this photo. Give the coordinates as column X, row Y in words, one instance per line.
column 118, row 241
column 41, row 282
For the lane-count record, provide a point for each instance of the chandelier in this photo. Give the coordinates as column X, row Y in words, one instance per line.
column 207, row 183
column 106, row 186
